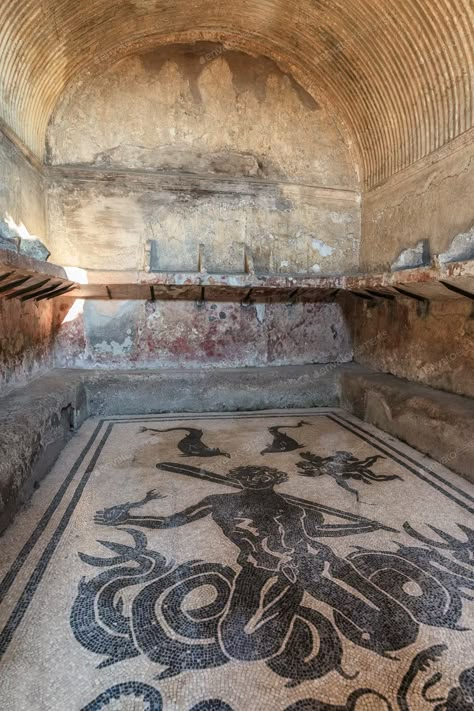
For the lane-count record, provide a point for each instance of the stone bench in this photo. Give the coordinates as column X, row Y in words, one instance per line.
column 37, row 420
column 434, row 422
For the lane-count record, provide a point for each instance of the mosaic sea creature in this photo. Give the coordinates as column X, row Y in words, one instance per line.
column 149, row 697
column 191, row 445
column 460, row 698
column 281, row 441
column 341, row 467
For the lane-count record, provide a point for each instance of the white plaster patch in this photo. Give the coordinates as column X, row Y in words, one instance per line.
column 260, row 312
column 324, row 249
column 412, row 257
column 113, row 348
column 316, row 268
column 462, row 247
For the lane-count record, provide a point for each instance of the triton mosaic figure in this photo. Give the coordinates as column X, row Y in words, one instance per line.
column 281, row 558
column 202, row 586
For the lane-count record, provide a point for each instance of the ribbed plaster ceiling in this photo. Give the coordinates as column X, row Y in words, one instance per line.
column 398, row 75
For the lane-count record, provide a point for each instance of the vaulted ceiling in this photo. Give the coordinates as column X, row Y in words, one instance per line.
column 398, row 75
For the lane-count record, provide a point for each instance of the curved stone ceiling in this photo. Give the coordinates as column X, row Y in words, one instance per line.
column 399, row 75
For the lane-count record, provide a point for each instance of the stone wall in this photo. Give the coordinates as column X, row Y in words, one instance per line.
column 127, row 334
column 27, row 336
column 187, row 158
column 431, row 201
column 27, row 331
column 22, row 199
column 398, row 337
column 427, row 206
column 191, row 146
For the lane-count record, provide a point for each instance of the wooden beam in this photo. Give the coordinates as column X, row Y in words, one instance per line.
column 410, row 294
column 457, row 289
column 381, row 294
column 292, row 295
column 39, row 291
column 28, row 289
column 57, row 292
column 12, row 285
column 362, row 295
column 247, row 301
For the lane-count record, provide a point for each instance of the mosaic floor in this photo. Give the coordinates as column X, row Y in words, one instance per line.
column 280, row 561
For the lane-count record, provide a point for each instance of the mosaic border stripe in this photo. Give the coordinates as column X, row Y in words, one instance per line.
column 30, row 588
column 406, row 456
column 21, row 558
column 448, row 494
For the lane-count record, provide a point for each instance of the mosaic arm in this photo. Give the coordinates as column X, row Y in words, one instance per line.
column 119, row 515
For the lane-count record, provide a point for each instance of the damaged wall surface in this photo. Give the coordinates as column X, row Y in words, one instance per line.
column 434, row 348
column 184, row 157
column 141, row 334
column 191, row 146
column 27, row 337
column 22, row 197
column 430, row 202
column 27, row 330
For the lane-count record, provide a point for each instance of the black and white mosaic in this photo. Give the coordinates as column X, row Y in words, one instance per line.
column 310, row 563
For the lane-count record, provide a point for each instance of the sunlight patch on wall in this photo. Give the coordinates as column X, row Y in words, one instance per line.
column 80, row 277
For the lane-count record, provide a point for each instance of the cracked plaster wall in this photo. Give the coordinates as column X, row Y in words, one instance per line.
column 435, row 349
column 428, row 206
column 194, row 146
column 27, row 339
column 204, row 151
column 27, row 330
column 137, row 334
column 22, row 198
column 432, row 201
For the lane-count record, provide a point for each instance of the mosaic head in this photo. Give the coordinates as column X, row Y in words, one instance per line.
column 256, row 478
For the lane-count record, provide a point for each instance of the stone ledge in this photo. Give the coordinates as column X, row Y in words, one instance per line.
column 434, row 422
column 37, row 420
column 219, row 389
